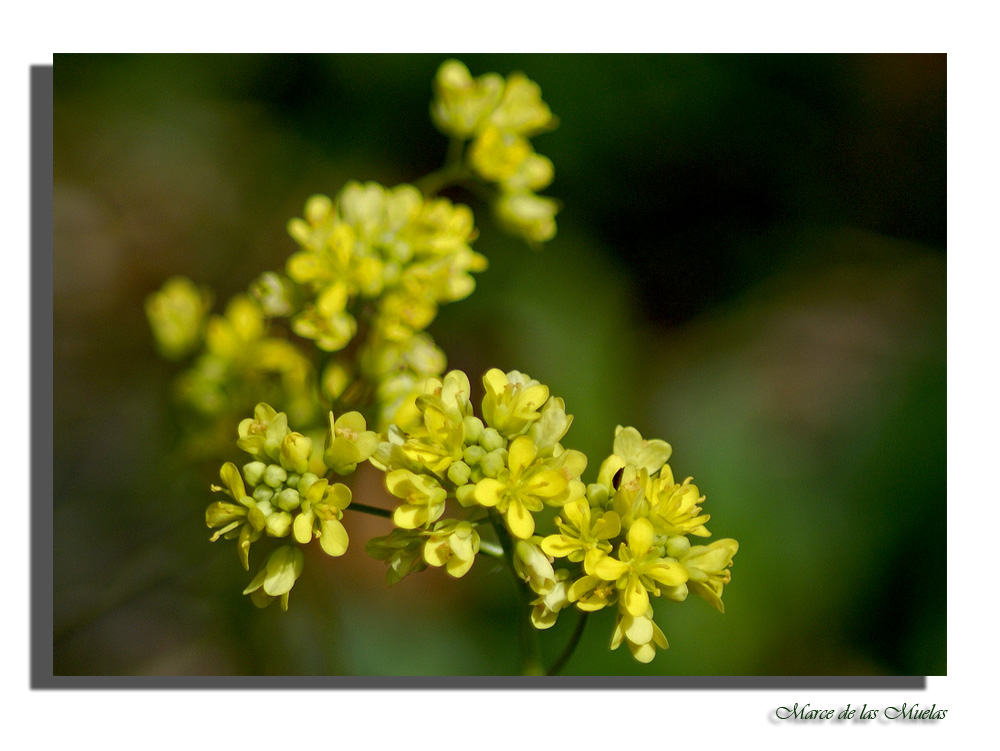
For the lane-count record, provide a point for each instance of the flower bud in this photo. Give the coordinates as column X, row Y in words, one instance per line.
column 279, row 524
column 677, row 547
column 473, row 455
column 473, row 429
column 492, row 463
column 253, row 472
column 491, row 439
column 275, row 475
column 305, row 482
column 459, row 473
column 295, row 452
column 262, row 493
column 288, row 499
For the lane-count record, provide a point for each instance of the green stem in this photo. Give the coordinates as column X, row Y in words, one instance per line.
column 574, row 640
column 531, row 649
column 451, row 173
column 373, row 510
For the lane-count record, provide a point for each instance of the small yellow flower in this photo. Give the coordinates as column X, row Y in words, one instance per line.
column 497, row 156
column 674, row 508
column 546, row 607
column 276, row 577
column 462, row 103
column 521, row 110
column 348, row 443
column 641, row 634
column 708, row 569
column 452, row 544
column 177, row 316
column 512, row 401
column 585, row 532
column 530, row 216
column 631, row 448
column 402, row 549
column 638, row 567
column 320, row 515
column 423, row 497
column 522, row 488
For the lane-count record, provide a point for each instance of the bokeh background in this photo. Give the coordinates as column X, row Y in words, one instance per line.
column 750, row 264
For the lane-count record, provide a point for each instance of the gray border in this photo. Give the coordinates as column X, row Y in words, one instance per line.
column 42, row 495
column 40, row 389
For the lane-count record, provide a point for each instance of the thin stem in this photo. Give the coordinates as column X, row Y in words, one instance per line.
column 490, row 548
column 373, row 510
column 571, row 646
column 451, row 173
column 531, row 648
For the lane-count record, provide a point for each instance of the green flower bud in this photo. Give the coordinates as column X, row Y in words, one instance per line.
column 473, row 429
column 597, row 495
column 279, row 524
column 306, row 482
column 491, row 439
column 678, row 547
column 289, row 499
column 492, row 463
column 262, row 493
column 295, row 452
column 253, row 472
column 459, row 473
column 275, row 294
column 275, row 475
column 473, row 455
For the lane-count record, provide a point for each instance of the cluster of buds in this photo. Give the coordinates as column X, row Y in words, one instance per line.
column 498, row 116
column 280, row 493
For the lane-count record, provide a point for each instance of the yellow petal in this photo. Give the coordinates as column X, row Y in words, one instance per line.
column 333, row 538
column 635, row 597
column 609, row 569
column 519, row 520
column 640, row 537
column 522, row 452
column 489, row 492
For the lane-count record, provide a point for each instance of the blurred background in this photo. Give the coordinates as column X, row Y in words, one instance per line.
column 750, row 264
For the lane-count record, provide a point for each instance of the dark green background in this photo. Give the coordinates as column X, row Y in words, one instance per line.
column 750, row 264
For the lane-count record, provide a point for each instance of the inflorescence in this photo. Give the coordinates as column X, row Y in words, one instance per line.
column 338, row 339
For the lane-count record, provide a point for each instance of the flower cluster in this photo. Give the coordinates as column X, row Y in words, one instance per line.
column 280, row 493
column 628, row 539
column 498, row 116
column 371, row 269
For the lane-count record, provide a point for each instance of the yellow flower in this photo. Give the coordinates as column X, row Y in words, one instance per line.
column 708, row 569
column 276, row 577
column 402, row 549
column 452, row 544
column 233, row 520
column 512, row 401
column 322, row 509
column 546, row 607
column 528, row 215
column 641, row 634
column 521, row 488
column 584, row 533
column 674, row 508
column 348, row 443
column 462, row 103
column 497, row 156
column 533, row 566
column 631, row 448
column 177, row 316
column 423, row 497
column 638, row 568
column 521, row 109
